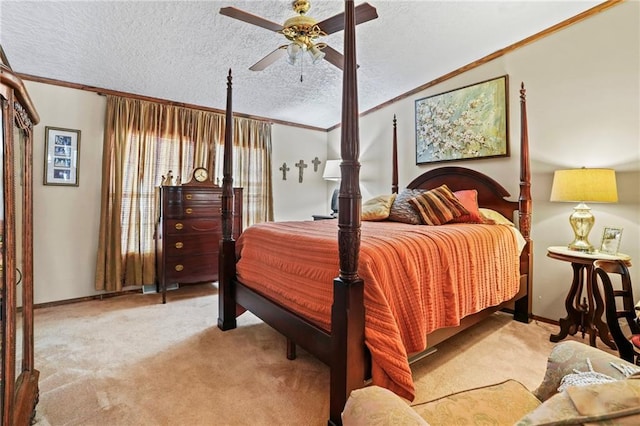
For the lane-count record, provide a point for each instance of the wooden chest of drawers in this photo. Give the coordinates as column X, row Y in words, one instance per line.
column 189, row 232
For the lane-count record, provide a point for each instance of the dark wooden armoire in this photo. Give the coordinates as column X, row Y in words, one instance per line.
column 19, row 380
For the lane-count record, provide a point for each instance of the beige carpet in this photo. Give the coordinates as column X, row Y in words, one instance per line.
column 130, row 360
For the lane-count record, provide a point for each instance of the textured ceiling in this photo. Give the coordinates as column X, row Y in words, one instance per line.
column 182, row 50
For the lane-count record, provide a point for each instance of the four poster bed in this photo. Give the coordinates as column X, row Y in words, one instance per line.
column 400, row 288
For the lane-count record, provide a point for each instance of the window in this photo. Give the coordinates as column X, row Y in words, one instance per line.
column 143, row 142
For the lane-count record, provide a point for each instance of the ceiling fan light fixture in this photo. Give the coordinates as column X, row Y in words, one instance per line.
column 302, row 33
column 294, row 51
column 316, row 54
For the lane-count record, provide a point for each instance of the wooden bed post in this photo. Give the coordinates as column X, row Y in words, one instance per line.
column 523, row 306
column 394, row 170
column 227, row 256
column 347, row 313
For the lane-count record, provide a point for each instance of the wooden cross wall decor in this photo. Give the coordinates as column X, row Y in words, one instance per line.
column 284, row 169
column 316, row 163
column 301, row 166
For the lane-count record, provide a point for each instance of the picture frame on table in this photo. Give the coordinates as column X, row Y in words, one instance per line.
column 611, row 237
column 464, row 124
column 62, row 156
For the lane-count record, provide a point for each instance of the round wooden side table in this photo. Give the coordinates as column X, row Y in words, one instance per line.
column 580, row 309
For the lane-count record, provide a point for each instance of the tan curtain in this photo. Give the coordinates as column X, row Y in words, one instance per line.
column 143, row 141
column 251, row 167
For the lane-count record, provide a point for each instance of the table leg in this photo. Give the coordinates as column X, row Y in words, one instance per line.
column 575, row 312
column 597, row 323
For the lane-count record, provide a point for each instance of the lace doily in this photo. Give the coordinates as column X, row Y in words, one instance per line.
column 584, row 378
column 627, row 370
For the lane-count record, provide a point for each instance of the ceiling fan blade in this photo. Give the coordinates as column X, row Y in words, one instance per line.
column 334, row 57
column 232, row 12
column 269, row 59
column 363, row 12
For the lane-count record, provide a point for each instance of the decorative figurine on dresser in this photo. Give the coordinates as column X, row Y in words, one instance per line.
column 19, row 378
column 189, row 230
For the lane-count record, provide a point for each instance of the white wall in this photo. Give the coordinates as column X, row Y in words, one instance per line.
column 292, row 199
column 583, row 101
column 66, row 218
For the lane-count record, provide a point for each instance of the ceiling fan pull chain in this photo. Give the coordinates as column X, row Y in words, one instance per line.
column 301, row 67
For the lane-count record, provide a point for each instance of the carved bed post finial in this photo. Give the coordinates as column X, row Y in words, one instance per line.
column 227, row 169
column 523, row 306
column 226, row 256
column 349, row 198
column 347, row 312
column 525, row 171
column 394, row 167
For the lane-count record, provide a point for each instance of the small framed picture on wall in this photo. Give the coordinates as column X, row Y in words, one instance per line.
column 611, row 240
column 61, row 156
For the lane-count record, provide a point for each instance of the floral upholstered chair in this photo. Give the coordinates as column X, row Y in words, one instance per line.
column 608, row 391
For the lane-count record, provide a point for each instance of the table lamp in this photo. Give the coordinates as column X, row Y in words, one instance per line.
column 581, row 186
column 332, row 172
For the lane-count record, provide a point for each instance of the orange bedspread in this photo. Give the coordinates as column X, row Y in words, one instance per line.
column 416, row 278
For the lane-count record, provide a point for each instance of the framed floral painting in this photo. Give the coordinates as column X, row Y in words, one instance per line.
column 463, row 124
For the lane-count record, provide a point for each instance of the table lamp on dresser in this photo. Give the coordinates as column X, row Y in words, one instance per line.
column 582, row 186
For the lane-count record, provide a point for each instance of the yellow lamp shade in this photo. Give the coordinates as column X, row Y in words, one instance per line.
column 585, row 185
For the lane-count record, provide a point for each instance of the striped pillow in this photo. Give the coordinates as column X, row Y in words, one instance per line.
column 438, row 206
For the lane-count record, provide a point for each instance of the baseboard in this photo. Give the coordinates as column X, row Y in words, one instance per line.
column 152, row 288
column 85, row 299
column 545, row 320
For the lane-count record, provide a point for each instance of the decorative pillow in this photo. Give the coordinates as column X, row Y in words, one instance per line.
column 402, row 210
column 438, row 206
column 493, row 217
column 377, row 208
column 469, row 199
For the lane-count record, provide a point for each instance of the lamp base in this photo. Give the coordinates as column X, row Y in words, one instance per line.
column 581, row 221
column 582, row 246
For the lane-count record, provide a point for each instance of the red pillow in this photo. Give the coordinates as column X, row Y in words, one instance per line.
column 469, row 199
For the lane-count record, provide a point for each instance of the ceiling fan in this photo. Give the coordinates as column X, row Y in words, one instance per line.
column 302, row 32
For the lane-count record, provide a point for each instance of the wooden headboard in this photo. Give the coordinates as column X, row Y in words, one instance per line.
column 490, row 193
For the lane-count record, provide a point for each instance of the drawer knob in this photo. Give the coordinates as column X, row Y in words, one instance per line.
column 189, row 196
column 179, row 245
column 179, row 225
column 179, row 268
column 189, row 210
